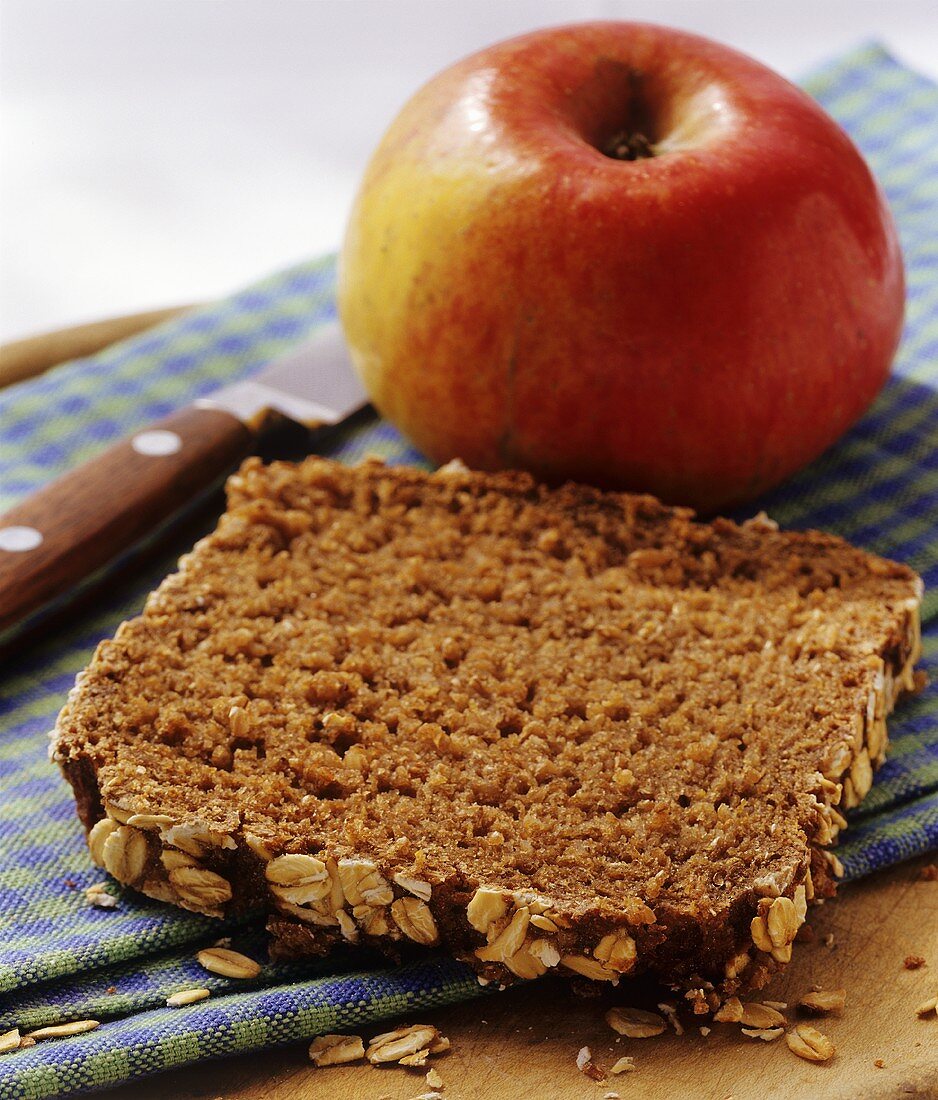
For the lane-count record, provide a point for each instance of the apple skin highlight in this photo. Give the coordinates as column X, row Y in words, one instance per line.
column 698, row 324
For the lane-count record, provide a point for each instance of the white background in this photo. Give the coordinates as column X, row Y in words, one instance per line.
column 157, row 152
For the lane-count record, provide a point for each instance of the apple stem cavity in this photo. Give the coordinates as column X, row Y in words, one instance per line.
column 625, row 145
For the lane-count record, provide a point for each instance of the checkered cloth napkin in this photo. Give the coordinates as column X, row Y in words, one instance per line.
column 62, row 960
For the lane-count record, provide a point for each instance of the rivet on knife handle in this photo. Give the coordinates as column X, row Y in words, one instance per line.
column 61, row 535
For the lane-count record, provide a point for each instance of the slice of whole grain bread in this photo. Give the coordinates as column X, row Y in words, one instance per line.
column 542, row 728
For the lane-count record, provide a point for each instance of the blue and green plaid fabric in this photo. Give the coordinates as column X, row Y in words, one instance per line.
column 61, row 960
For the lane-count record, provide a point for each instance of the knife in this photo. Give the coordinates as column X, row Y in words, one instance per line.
column 64, row 533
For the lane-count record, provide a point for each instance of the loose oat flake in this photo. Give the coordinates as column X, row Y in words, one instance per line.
column 62, row 1031
column 623, row 1065
column 334, row 1050
column 635, row 1023
column 187, row 997
column 822, row 1001
column 809, row 1044
column 767, row 1034
column 228, row 963
column 403, row 1042
column 9, row 1040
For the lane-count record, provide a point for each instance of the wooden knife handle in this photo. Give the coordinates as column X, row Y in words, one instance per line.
column 33, row 355
column 62, row 534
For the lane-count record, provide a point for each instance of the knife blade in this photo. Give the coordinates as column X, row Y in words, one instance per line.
column 70, row 529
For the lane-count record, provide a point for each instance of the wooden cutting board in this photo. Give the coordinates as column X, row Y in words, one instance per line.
column 524, row 1042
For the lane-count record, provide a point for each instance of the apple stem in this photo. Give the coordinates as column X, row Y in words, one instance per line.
column 628, row 146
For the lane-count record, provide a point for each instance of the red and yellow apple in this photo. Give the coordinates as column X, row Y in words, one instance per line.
column 624, row 255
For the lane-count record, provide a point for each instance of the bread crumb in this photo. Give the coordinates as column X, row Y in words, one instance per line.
column 879, row 1063
column 586, row 1065
column 913, row 962
column 623, row 1065
column 669, row 1010
column 434, row 1080
column 929, row 873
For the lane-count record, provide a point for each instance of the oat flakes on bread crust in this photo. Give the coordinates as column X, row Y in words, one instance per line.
column 543, row 729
